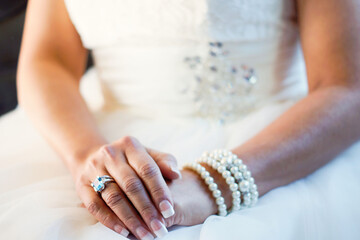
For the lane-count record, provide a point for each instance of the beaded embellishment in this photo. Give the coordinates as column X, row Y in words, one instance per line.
column 221, row 89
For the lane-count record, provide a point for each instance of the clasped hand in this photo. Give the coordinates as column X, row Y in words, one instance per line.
column 141, row 200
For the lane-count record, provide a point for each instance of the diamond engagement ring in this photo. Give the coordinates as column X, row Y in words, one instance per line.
column 99, row 183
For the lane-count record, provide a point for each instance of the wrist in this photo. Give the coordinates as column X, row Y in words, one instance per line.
column 221, row 183
column 202, row 188
column 221, row 167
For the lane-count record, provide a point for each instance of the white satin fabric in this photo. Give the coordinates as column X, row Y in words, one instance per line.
column 139, row 47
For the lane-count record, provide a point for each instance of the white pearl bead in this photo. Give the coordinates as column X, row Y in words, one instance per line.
column 234, row 157
column 247, row 174
column 216, row 164
column 230, row 180
column 244, row 186
column 205, row 174
column 205, row 154
column 209, row 180
column 222, row 213
column 236, row 194
column 223, row 161
column 247, row 195
column 242, row 167
column 234, row 170
column 255, row 194
column 213, row 186
column 253, row 187
column 238, row 175
column 236, row 201
column 222, row 207
column 233, row 187
column 251, row 180
column 221, row 169
column 216, row 193
column 226, row 174
column 220, row 200
column 235, row 208
column 237, row 162
column 247, row 202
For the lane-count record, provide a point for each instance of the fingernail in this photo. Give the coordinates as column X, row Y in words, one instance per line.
column 176, row 170
column 158, row 228
column 144, row 234
column 166, row 209
column 121, row 230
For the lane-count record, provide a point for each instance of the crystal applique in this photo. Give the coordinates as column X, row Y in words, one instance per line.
column 221, row 89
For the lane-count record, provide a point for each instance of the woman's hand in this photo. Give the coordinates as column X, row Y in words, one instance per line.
column 139, row 198
column 192, row 199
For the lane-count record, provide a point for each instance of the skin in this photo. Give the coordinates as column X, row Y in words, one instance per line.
column 304, row 138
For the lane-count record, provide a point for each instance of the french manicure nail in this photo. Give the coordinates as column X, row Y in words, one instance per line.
column 158, row 228
column 121, row 230
column 144, row 234
column 166, row 209
column 176, row 170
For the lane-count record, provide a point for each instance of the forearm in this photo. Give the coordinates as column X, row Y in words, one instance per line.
column 50, row 96
column 304, row 138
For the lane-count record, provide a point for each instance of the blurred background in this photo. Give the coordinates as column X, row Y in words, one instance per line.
column 12, row 14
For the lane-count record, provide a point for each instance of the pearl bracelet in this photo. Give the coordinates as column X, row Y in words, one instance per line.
column 213, row 187
column 236, row 175
column 241, row 174
column 230, row 180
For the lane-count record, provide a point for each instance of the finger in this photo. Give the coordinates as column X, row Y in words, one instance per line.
column 119, row 204
column 96, row 206
column 134, row 190
column 149, row 172
column 167, row 164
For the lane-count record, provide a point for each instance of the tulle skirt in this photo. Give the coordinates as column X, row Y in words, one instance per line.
column 38, row 198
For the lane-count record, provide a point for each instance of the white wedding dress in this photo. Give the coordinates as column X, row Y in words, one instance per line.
column 183, row 77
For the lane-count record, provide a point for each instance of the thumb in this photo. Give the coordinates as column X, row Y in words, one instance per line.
column 167, row 164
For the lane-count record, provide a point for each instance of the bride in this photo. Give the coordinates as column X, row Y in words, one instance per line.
column 174, row 82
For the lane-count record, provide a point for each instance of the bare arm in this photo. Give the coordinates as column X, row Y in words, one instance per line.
column 52, row 61
column 315, row 129
column 326, row 122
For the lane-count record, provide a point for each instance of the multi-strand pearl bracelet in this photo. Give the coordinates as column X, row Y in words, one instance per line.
column 213, row 187
column 236, row 175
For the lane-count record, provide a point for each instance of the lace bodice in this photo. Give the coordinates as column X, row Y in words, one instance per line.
column 209, row 58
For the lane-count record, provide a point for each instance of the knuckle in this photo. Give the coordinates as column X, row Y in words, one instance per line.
column 107, row 220
column 148, row 211
column 132, row 186
column 128, row 141
column 114, row 199
column 81, row 181
column 107, row 151
column 93, row 207
column 170, row 158
column 130, row 221
column 94, row 163
column 157, row 192
column 148, row 170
